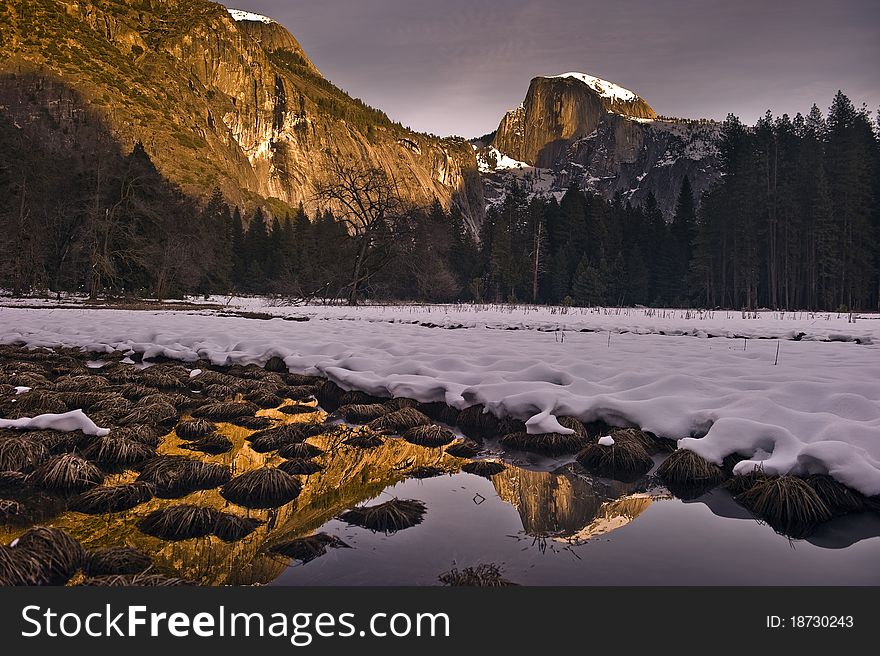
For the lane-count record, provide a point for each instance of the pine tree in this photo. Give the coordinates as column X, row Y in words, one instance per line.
column 587, row 288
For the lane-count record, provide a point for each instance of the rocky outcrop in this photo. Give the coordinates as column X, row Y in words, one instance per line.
column 220, row 102
column 600, row 137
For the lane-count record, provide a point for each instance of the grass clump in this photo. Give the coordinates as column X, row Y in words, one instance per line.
column 58, row 554
column 266, row 487
column 300, row 467
column 389, row 517
column 788, row 504
column 173, row 477
column 232, row 528
column 624, row 460
column 111, row 561
column 308, row 548
column 475, row 421
column 183, row 522
column 362, row 412
column 483, row 576
column 399, row 420
column 429, row 435
column 193, row 429
column 685, row 469
column 67, row 474
column 463, row 448
column 113, row 498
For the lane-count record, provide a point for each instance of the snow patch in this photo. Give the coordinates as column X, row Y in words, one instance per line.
column 75, row 420
column 21, row 389
column 606, row 440
column 194, row 373
column 241, row 15
column 501, row 161
column 604, row 88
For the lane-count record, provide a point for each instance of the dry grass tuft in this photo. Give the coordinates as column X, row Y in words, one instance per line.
column 389, row 517
column 20, row 454
column 143, row 433
column 548, row 443
column 252, row 423
column 113, row 498
column 743, row 482
column 399, row 420
column 59, row 555
column 362, row 413
column 439, row 411
column 429, row 435
column 625, row 460
column 232, row 528
column 112, row 451
column 329, row 394
column 786, row 503
column 116, row 561
column 475, row 422
column 684, row 468
column 19, row 567
column 300, row 467
column 67, row 474
column 839, row 499
column 135, row 581
column 226, row 410
column 211, row 444
column 163, row 414
column 176, row 476
column 266, row 487
column 463, row 449
column 308, row 548
column 275, row 438
column 483, row 576
column 298, row 409
column 182, row 522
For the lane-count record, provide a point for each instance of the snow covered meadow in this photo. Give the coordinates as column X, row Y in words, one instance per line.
column 794, row 392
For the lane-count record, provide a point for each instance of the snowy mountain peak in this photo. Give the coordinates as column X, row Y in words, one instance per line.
column 240, row 15
column 604, row 88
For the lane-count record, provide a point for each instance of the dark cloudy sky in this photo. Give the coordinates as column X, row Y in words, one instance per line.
column 455, row 66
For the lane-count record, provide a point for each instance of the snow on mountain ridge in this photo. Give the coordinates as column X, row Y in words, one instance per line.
column 241, row 15
column 604, row 88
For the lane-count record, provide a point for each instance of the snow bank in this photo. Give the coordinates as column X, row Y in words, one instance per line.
column 240, row 15
column 75, row 420
column 806, row 326
column 817, row 410
column 604, row 88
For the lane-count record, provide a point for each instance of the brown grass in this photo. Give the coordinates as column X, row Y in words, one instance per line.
column 741, row 482
column 839, row 499
column 176, row 476
column 308, row 548
column 298, row 392
column 232, row 528
column 399, row 420
column 135, row 581
column 59, row 555
column 787, row 503
column 67, row 474
column 183, row 522
column 463, row 449
column 111, row 561
column 625, row 460
column 300, row 467
column 193, row 429
column 86, row 383
column 474, row 422
column 18, row 453
column 439, row 411
column 483, row 576
column 113, row 498
column 297, row 409
column 143, row 433
column 548, row 443
column 226, row 410
column 266, row 487
column 684, row 468
column 264, row 399
column 361, row 413
column 211, row 444
column 329, row 394
column 389, row 517
column 110, row 451
column 163, row 414
column 252, row 423
column 275, row 438
column 429, row 435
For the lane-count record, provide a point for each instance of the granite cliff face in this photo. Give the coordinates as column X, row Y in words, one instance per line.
column 578, row 129
column 216, row 101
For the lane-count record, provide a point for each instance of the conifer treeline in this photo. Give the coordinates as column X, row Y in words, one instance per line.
column 794, row 223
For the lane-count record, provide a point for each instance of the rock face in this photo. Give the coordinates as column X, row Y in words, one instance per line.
column 216, row 101
column 577, row 129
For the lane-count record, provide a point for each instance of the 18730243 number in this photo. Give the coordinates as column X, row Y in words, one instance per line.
column 810, row 622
